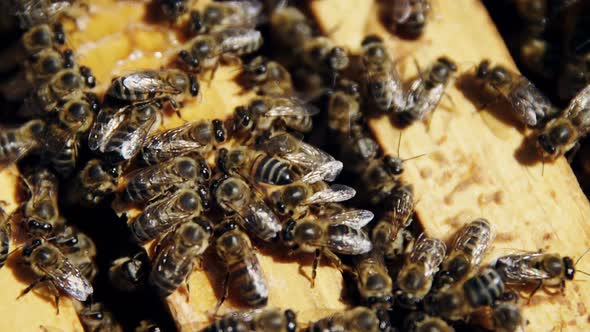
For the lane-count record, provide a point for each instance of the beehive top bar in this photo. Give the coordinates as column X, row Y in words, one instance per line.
column 477, row 163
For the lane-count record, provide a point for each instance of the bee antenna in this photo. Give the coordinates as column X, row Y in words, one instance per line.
column 579, row 258
column 542, row 165
column 415, row 157
column 582, row 272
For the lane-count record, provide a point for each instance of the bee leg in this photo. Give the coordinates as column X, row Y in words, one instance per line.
column 213, row 71
column 188, row 289
column 31, row 286
column 335, row 260
column 55, row 292
column 225, row 293
column 537, row 287
column 316, row 262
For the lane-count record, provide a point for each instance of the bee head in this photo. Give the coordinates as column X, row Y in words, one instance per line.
column 554, row 137
column 569, row 267
column 222, row 160
column 220, row 133
column 383, row 317
column 338, row 59
column 242, row 119
column 195, row 23
column 393, row 165
column 194, row 86
column 442, row 70
column 203, row 168
column 59, row 35
column 258, row 106
column 257, row 69
column 89, row 79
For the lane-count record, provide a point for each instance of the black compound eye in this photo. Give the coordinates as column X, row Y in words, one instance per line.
column 483, row 69
column 219, row 131
column 546, row 144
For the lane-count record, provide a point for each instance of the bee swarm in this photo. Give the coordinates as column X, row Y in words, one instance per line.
column 476, row 165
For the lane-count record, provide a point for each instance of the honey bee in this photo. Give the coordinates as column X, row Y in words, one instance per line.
column 344, row 106
column 95, row 317
column 146, row 183
column 290, row 27
column 421, row 322
column 358, row 149
column 244, row 272
column 265, row 114
column 416, row 275
column 530, row 106
column 235, row 195
column 539, row 269
column 41, row 37
column 67, row 84
column 426, row 91
column 339, row 233
column 217, row 16
column 62, row 139
column 50, row 264
column 40, row 211
column 199, row 136
column 313, row 162
column 79, row 249
column 177, row 254
column 353, row 320
column 390, row 239
column 381, row 78
column 460, row 300
column 5, row 235
column 373, row 281
column 164, row 214
column 262, row 167
column 564, row 132
column 170, row 85
column 204, row 51
column 18, row 142
column 97, row 180
column 381, row 179
column 322, row 56
column 129, row 273
column 294, row 199
column 506, row 317
column 34, row 12
column 468, row 249
column 267, row 77
column 271, row 320
column 41, row 66
column 119, row 134
column 410, row 17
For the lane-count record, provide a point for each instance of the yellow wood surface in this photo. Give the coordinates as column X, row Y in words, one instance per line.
column 478, row 163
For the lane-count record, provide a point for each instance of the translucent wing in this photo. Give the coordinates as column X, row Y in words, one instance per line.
column 169, row 144
column 106, row 122
column 291, row 107
column 577, row 111
column 354, row 218
column 474, row 240
column 517, row 268
column 246, row 13
column 147, row 81
column 70, row 280
column 349, row 241
column 128, row 138
column 326, row 172
column 336, row 193
column 260, row 221
column 430, row 252
column 531, row 106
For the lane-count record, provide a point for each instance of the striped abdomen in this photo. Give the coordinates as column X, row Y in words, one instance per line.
column 484, row 289
column 272, row 170
column 64, row 162
column 227, row 324
column 248, row 280
column 169, row 272
column 302, row 124
column 120, row 91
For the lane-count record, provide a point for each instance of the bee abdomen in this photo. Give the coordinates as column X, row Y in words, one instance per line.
column 484, row 289
column 9, row 145
column 226, row 325
column 252, row 285
column 65, row 161
column 273, row 171
column 4, row 246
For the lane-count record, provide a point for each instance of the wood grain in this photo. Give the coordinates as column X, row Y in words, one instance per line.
column 478, row 163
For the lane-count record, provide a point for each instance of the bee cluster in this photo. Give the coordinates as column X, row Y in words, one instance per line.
column 223, row 187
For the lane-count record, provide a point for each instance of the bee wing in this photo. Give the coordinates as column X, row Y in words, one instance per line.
column 518, row 267
column 308, row 156
column 345, row 240
column 146, row 81
column 261, row 221
column 577, row 111
column 69, row 279
column 292, row 107
column 22, row 148
column 170, row 143
column 326, row 172
column 106, row 122
column 247, row 13
column 355, row 218
column 336, row 193
column 531, row 105
column 132, row 141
